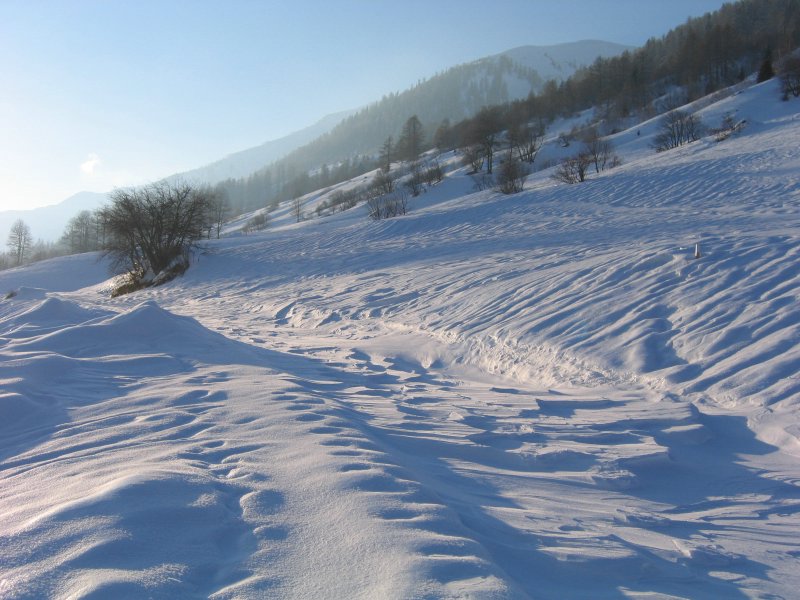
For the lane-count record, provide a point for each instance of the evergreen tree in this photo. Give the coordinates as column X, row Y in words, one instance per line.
column 409, row 146
column 386, row 154
column 765, row 71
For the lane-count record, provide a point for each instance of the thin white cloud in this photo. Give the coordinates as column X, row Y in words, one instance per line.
column 90, row 164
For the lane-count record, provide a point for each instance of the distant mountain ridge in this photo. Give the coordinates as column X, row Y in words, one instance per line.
column 243, row 163
column 559, row 61
column 48, row 222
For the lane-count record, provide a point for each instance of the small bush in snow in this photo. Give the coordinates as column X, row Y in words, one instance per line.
column 573, row 169
column 388, row 206
column 482, row 181
column 473, row 157
column 677, row 128
column 433, row 174
column 383, row 183
column 257, row 222
column 728, row 127
column 512, row 175
column 415, row 182
column 789, row 72
column 600, row 151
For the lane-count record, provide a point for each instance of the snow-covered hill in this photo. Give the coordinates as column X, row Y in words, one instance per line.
column 559, row 61
column 542, row 395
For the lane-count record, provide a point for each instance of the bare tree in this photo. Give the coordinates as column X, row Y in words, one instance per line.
column 218, row 210
column 386, row 154
column 297, row 209
column 484, row 131
column 257, row 222
column 151, row 229
column 81, row 233
column 383, row 183
column 677, row 128
column 443, row 137
column 433, row 173
column 600, row 151
column 19, row 241
column 482, row 181
column 527, row 139
column 388, row 206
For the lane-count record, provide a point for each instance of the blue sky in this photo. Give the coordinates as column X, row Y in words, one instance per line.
column 105, row 93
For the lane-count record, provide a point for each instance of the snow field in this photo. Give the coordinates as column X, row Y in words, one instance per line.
column 541, row 395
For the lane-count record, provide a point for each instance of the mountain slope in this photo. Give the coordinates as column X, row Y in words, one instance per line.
column 559, row 61
column 48, row 222
column 243, row 163
column 536, row 395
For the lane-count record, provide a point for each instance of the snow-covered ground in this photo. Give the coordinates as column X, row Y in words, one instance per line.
column 541, row 395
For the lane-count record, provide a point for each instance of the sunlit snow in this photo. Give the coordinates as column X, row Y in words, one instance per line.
column 542, row 395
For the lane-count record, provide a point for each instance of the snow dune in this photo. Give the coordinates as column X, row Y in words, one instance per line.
column 533, row 396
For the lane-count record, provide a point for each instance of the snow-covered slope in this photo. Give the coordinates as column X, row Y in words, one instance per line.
column 541, row 395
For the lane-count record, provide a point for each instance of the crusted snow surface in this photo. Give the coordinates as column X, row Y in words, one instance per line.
column 542, row 395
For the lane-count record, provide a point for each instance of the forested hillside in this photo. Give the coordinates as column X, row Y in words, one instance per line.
column 703, row 55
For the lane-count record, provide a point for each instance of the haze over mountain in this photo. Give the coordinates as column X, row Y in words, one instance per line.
column 47, row 222
column 559, row 61
column 454, row 94
column 243, row 163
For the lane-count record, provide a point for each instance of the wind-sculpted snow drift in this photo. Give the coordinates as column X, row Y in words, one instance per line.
column 542, row 395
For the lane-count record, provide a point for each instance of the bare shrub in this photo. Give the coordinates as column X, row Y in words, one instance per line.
column 151, row 228
column 258, row 222
column 573, row 169
column 387, row 206
column 473, row 157
column 414, row 184
column 677, row 128
column 482, row 181
column 383, row 183
column 433, row 174
column 789, row 73
column 600, row 151
column 512, row 175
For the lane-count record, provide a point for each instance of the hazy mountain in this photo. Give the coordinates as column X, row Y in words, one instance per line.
column 455, row 93
column 245, row 162
column 562, row 60
column 48, row 222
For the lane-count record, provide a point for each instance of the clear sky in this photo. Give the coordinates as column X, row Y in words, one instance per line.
column 103, row 93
